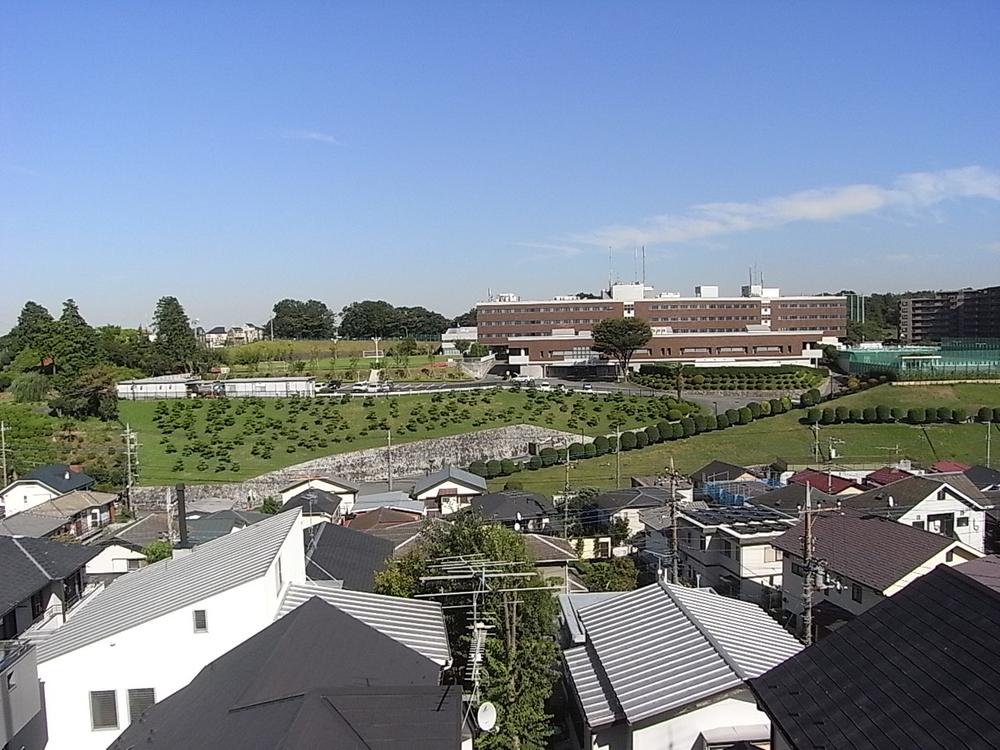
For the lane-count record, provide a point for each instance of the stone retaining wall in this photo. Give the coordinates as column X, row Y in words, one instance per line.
column 408, row 459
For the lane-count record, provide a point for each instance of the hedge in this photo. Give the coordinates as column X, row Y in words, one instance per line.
column 628, row 441
column 601, row 445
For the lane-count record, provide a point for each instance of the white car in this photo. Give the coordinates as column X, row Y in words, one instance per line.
column 588, row 388
column 544, row 386
column 360, row 387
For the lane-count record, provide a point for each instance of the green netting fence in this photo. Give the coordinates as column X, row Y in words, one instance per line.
column 954, row 359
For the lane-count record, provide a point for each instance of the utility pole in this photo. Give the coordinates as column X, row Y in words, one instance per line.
column 618, row 456
column 566, row 496
column 815, row 431
column 3, row 450
column 673, row 525
column 989, row 429
column 809, row 573
column 131, row 461
column 388, row 454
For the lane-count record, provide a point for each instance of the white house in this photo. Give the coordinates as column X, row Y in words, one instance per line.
column 450, row 488
column 947, row 504
column 667, row 666
column 216, row 338
column 346, row 491
column 730, row 550
column 150, row 632
column 116, row 558
column 629, row 504
column 865, row 558
column 41, row 485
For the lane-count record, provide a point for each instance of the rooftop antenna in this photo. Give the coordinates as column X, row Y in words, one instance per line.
column 611, row 269
column 635, row 264
column 644, row 265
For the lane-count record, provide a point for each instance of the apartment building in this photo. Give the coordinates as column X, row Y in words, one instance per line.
column 758, row 325
column 964, row 313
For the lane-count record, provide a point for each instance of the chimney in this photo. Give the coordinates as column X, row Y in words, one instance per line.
column 76, row 468
column 182, row 525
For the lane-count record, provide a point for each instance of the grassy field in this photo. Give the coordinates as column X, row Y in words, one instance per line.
column 417, row 369
column 783, row 437
column 226, row 440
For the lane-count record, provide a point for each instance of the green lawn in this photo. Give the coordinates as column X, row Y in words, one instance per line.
column 226, row 440
column 783, row 437
column 416, row 368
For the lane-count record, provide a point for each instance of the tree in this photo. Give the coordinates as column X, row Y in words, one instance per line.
column 618, row 574
column 175, row 344
column 73, row 344
column 465, row 319
column 29, row 387
column 156, row 551
column 91, row 394
column 33, row 329
column 295, row 319
column 621, row 338
column 520, row 651
column 369, row 319
column 270, row 506
column 619, row 531
column 419, row 321
column 463, row 346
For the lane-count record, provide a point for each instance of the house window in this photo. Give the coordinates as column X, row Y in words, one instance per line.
column 11, row 680
column 962, row 521
column 200, row 621
column 856, row 593
column 277, row 576
column 8, row 626
column 798, row 570
column 772, row 555
column 139, row 699
column 103, row 709
column 37, row 605
column 949, row 556
column 918, row 524
column 131, row 565
column 727, row 548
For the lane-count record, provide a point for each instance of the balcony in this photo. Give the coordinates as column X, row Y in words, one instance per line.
column 53, row 618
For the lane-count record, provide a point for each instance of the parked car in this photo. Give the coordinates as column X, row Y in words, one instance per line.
column 360, row 387
column 588, row 388
column 544, row 386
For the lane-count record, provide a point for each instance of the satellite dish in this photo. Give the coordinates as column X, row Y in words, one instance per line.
column 517, row 526
column 486, row 716
column 517, row 515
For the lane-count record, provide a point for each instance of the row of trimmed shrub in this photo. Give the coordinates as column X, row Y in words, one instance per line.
column 882, row 414
column 635, row 439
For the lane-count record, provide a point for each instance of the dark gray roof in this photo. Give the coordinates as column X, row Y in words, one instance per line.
column 61, row 477
column 405, row 536
column 213, row 525
column 29, row 565
column 917, row 670
column 983, row 477
column 151, row 528
column 870, row 549
column 504, row 506
column 453, row 474
column 633, row 497
column 790, row 498
column 217, row 329
column 339, row 553
column 986, row 570
column 719, row 471
column 30, row 524
column 543, row 549
column 908, row 492
column 742, row 520
column 316, row 677
column 314, row 501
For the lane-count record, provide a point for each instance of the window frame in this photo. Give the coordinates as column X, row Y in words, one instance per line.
column 204, row 619
column 139, row 692
column 114, row 704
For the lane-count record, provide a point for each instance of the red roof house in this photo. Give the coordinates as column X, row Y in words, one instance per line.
column 828, row 483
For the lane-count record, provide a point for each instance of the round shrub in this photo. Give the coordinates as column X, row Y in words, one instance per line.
column 733, row 415
column 534, row 463
column 507, row 467
column 843, row 413
column 664, row 428
column 985, row 414
column 898, row 413
column 959, row 415
column 996, row 413
column 711, row 423
column 944, row 414
column 674, row 414
column 549, row 455
column 722, row 421
column 776, row 406
column 744, row 415
column 479, row 468
column 601, row 445
column 652, row 434
column 814, row 415
column 628, row 441
column 916, row 415
column 829, row 415
column 589, row 450
column 856, row 415
column 700, row 423
column 677, row 431
column 575, row 451
column 493, row 468
column 688, row 427
column 641, row 439
column 871, row 415
column 765, row 408
column 754, row 408
column 883, row 412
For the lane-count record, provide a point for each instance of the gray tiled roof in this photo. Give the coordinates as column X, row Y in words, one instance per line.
column 634, row 497
column 663, row 647
column 596, row 694
column 171, row 584
column 450, row 473
column 29, row 565
column 414, row 623
column 60, row 477
column 908, row 492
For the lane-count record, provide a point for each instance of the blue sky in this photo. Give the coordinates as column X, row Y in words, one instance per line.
column 233, row 154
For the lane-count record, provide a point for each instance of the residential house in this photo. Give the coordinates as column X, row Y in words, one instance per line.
column 945, row 466
column 449, row 489
column 668, row 666
column 406, row 537
column 731, row 551
column 389, row 499
column 211, row 526
column 827, row 482
column 43, row 484
column 247, row 333
column 381, row 518
column 337, row 553
column 627, row 505
column 918, row 670
column 216, row 338
column 150, row 632
column 157, row 387
column 865, row 559
column 984, row 478
column 552, row 557
column 22, row 718
column 40, row 579
column 77, row 514
column 346, row 491
column 115, row 558
column 790, row 499
column 316, row 506
column 516, row 509
column 885, row 475
column 947, row 504
column 722, row 471
column 317, row 677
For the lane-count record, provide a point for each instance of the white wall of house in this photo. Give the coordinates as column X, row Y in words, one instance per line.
column 115, row 559
column 347, row 496
column 970, row 524
column 164, row 653
column 955, row 555
column 270, row 387
column 631, row 515
column 25, row 494
column 752, row 560
column 448, row 488
column 454, row 504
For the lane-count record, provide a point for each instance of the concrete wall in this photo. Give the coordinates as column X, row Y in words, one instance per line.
column 164, row 653
column 408, row 459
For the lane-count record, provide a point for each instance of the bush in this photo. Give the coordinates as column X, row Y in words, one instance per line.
column 765, row 408
column 479, row 468
column 814, row 415
column 985, row 414
column 674, row 414
column 916, row 415
column 744, row 415
column 628, row 441
column 722, row 421
column 653, row 434
column 575, row 451
column 871, row 414
column 829, row 415
column 856, row 415
column 944, row 414
column 711, row 423
column 883, row 412
column 898, row 413
column 688, row 427
column 493, row 468
column 641, row 439
column 754, row 408
column 29, row 387
column 507, row 467
column 548, row 455
column 733, row 416
column 513, row 485
column 996, row 414
column 843, row 413
column 534, row 463
column 699, row 423
column 677, row 431
column 601, row 445
column 959, row 415
column 589, row 450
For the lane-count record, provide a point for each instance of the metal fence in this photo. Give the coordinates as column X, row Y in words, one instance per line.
column 954, row 359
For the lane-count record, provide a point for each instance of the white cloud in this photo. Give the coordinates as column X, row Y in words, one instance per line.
column 915, row 192
column 313, row 135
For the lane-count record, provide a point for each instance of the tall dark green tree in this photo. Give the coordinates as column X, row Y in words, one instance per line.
column 520, row 653
column 295, row 319
column 175, row 344
column 419, row 321
column 466, row 319
column 621, row 338
column 365, row 320
column 75, row 345
column 33, row 330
